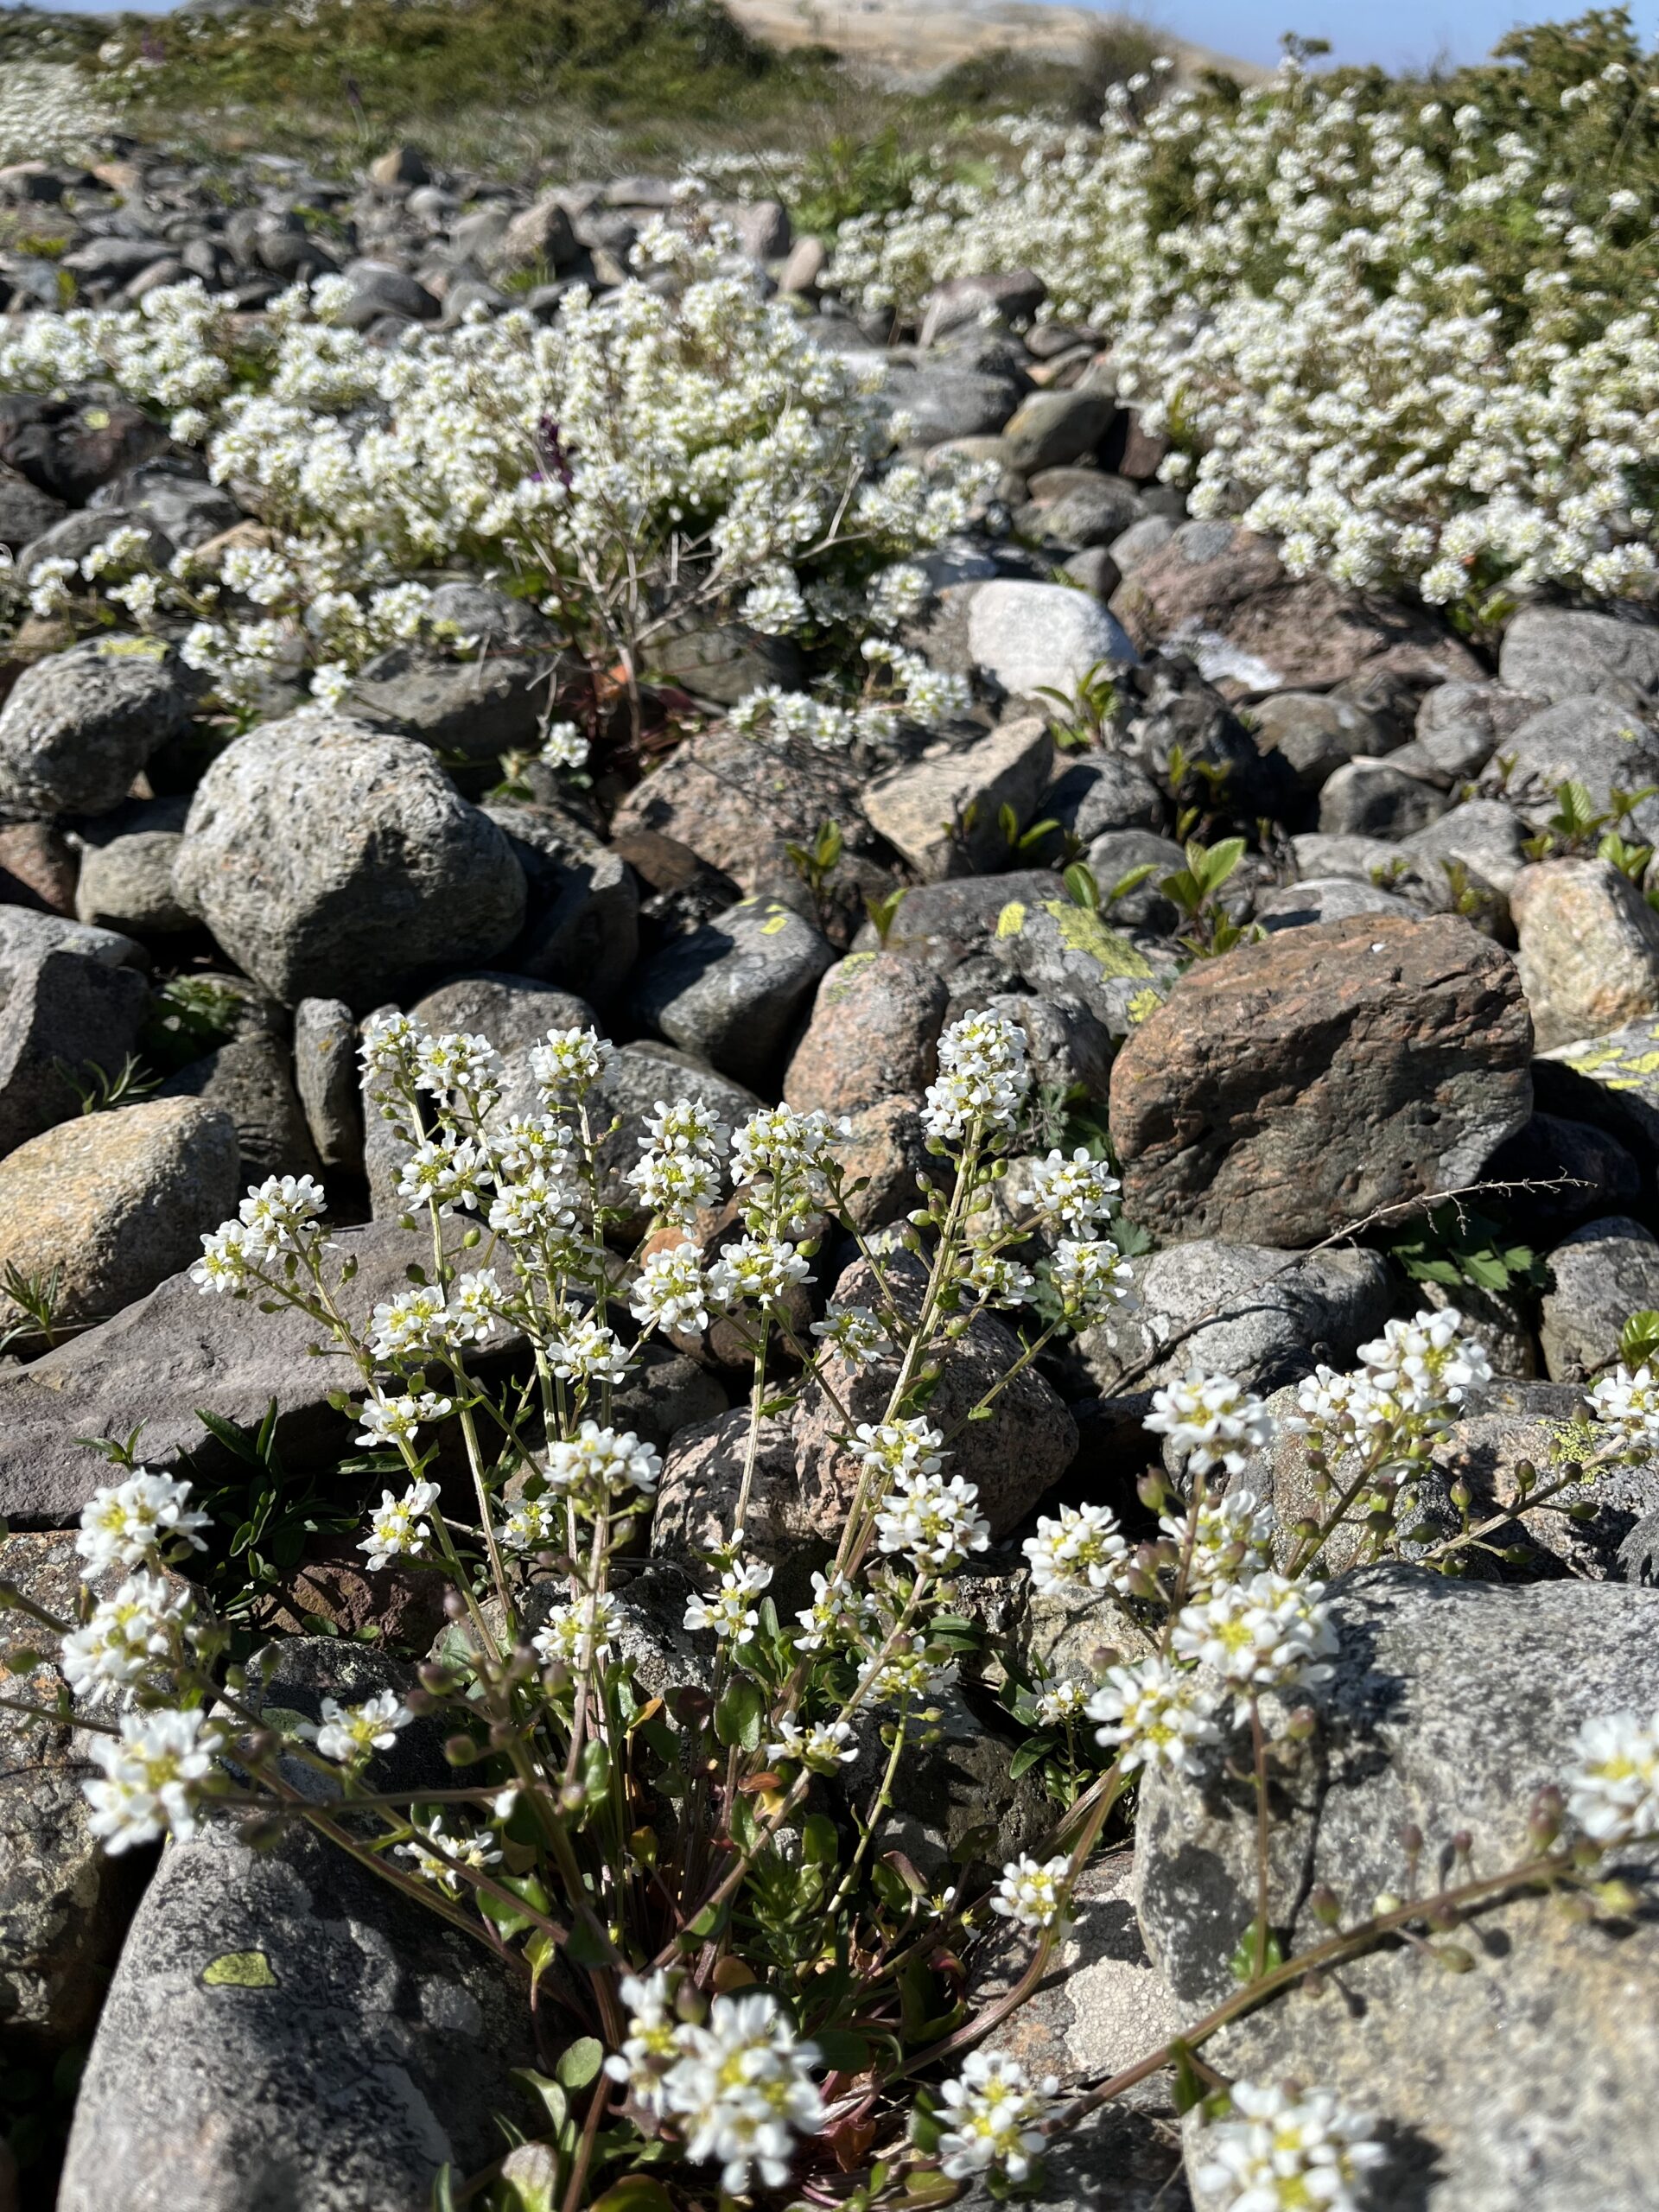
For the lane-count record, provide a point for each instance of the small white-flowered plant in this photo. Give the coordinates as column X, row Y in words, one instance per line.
column 568, row 1062
column 142, row 1519
column 565, row 746
column 1612, row 1784
column 842, row 1614
column 439, row 1855
column 742, row 2090
column 148, row 1619
column 652, row 2043
column 760, row 1270
column 1283, row 2149
column 1078, row 1551
column 982, row 1079
column 1627, row 1405
column 994, row 2114
column 599, row 1465
column 909, row 1446
column 1425, row 1366
column 579, row 1635
column 1062, row 1704
column 727, row 1611
column 1268, row 1633
column 1156, row 1714
column 348, row 1735
column 398, row 1527
column 935, row 1523
column 1232, row 1539
column 280, row 1215
column 1211, row 1421
column 400, row 1419
column 1078, row 1191
column 1091, row 1275
column 1032, row 1894
column 588, row 1352
column 821, row 1747
column 671, row 1291
column 151, row 1779
column 857, row 1335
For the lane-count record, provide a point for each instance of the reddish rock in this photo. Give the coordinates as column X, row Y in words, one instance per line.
column 37, row 867
column 736, row 805
column 875, row 1025
column 1294, row 1085
column 1221, row 594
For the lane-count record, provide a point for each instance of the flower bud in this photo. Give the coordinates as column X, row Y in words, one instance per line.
column 1544, row 1824
column 1302, row 1725
column 1453, row 1957
column 460, row 1750
column 1384, row 1903
column 1323, row 1904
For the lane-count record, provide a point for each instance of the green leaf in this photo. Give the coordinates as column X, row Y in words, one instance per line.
column 585, row 1948
column 579, row 2063
column 1247, row 1960
column 820, row 1846
column 634, row 2193
column 843, row 2051
column 443, row 2190
column 1034, row 1748
column 740, row 1716
column 1188, row 2090
column 548, row 2093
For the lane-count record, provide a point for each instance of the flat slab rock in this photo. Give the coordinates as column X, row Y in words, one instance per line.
column 1532, row 2079
column 1290, row 1087
column 161, row 1359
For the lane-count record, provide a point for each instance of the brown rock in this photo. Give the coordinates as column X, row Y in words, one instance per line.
column 1223, row 590
column 37, row 867
column 1291, row 1086
column 334, row 1584
column 885, row 1149
column 736, row 805
column 113, row 1203
column 1588, row 948
column 875, row 1025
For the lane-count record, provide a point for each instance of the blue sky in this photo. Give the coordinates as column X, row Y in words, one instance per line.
column 1393, row 32
column 1396, row 33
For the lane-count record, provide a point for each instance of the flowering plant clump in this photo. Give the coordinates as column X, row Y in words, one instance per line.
column 676, row 454
column 1408, row 329
column 748, row 1990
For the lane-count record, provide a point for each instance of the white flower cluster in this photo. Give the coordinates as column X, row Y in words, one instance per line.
column 1211, row 1420
column 1328, row 329
column 1612, row 1785
column 1282, row 2147
column 1412, row 1381
column 994, row 2114
column 982, row 1079
column 738, row 2087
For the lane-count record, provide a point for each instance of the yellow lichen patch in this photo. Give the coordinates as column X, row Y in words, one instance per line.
column 1011, row 919
column 1082, row 930
column 240, row 1970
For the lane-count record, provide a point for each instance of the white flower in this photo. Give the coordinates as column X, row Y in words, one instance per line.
column 936, row 1523
column 790, row 1158
column 1612, row 1785
column 568, row 1062
column 1091, row 1275
column 982, row 1079
column 1268, row 1633
column 821, row 1747
column 1079, row 1551
column 398, row 1421
column 1283, row 2151
column 908, row 1446
column 842, row 1614
column 227, row 1254
column 457, row 1066
column 1078, row 1191
column 588, row 1352
column 598, row 1464
column 415, row 1322
column 152, row 1776
column 438, row 1855
column 1211, row 1421
column 1627, row 1405
column 446, row 1172
column 535, row 1206
column 398, row 1526
column 1155, row 1715
column 994, row 2114
column 565, row 746
column 578, row 1635
column 652, row 2043
column 475, row 1303
column 678, row 1167
column 759, row 1268
column 856, row 1334
column 742, row 2091
column 281, row 1213
column 532, row 1523
column 909, row 1676
column 138, row 1520
column 1233, row 1539
column 147, row 1619
column 728, row 1611
column 670, row 1292
column 348, row 1734
column 390, row 1042
column 1062, row 1703
column 1425, row 1366
column 995, row 1280
column 1032, row 1895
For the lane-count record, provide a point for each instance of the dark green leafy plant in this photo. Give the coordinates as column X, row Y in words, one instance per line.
column 1457, row 1244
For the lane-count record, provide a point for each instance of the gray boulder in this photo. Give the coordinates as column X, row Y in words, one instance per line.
column 325, row 1073
column 80, row 725
column 1102, row 792
column 26, row 939
column 1483, row 836
column 1327, row 898
column 731, row 990
column 1596, row 742
column 477, row 709
column 944, row 813
column 127, row 884
column 1051, row 427
column 1588, row 948
column 1029, row 637
column 1531, row 2078
column 1601, row 1274
column 250, row 1080
column 284, row 2029
column 583, row 925
column 1376, row 798
column 1268, row 1316
column 1559, row 652
column 329, row 861
column 62, row 1014
column 1315, row 734
column 874, row 1028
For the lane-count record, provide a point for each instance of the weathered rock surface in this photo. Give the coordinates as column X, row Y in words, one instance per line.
column 1029, row 637
column 1588, row 948
column 1595, row 741
column 330, row 861
column 1290, row 1087
column 252, row 1080
column 80, row 725
column 63, row 1903
column 110, row 1205
column 731, row 990
column 326, row 1076
column 1602, row 1274
column 875, row 1024
column 127, row 884
column 1559, row 652
column 944, row 814
column 283, row 2029
column 61, row 1014
column 1450, row 1706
